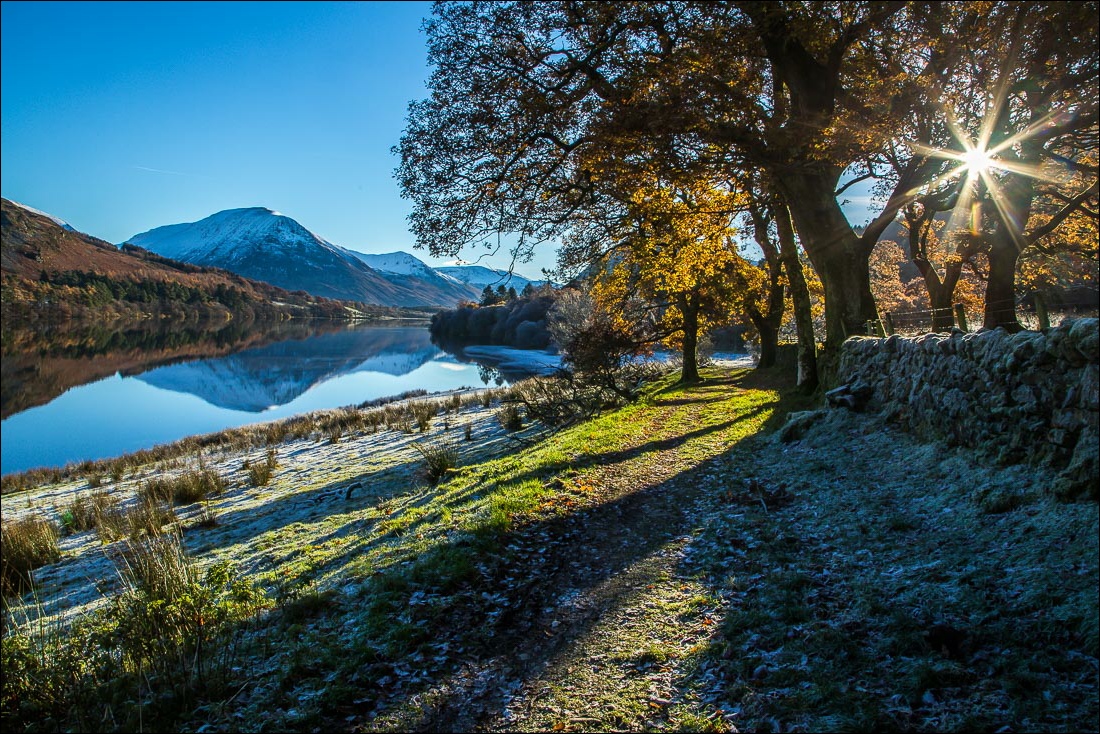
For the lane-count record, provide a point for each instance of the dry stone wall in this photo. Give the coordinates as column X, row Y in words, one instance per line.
column 1025, row 397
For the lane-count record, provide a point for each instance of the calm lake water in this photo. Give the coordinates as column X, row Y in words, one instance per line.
column 62, row 405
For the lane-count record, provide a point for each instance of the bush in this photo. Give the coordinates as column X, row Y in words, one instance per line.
column 510, row 417
column 26, row 545
column 439, row 459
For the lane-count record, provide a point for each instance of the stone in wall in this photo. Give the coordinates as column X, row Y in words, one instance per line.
column 1025, row 397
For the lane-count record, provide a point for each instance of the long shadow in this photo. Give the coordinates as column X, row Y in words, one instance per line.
column 527, row 576
column 510, row 625
column 607, row 458
column 541, row 562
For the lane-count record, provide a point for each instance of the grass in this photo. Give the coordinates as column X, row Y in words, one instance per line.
column 439, row 458
column 260, row 475
column 169, row 639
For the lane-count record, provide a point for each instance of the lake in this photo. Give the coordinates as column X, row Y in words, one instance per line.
column 94, row 395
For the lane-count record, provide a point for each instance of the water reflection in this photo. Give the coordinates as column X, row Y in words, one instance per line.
column 40, row 365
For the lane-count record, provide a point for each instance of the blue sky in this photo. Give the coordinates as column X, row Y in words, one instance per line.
column 121, row 117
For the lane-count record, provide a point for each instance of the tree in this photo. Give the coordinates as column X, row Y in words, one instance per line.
column 1035, row 166
column 807, row 93
column 489, row 297
column 681, row 259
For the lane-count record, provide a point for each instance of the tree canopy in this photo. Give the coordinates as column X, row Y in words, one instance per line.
column 530, row 102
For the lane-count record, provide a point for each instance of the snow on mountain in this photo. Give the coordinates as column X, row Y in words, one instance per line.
column 407, row 270
column 59, row 222
column 398, row 263
column 265, row 245
column 480, row 276
column 231, row 234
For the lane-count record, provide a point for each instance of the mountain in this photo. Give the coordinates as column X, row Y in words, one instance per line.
column 480, row 276
column 406, row 270
column 265, row 245
column 51, row 272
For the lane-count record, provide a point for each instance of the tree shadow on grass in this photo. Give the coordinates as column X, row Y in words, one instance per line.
column 529, row 570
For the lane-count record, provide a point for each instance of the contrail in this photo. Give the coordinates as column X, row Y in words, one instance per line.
column 161, row 170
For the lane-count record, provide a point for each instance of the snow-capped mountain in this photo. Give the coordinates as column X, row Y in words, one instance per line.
column 408, row 270
column 59, row 222
column 480, row 276
column 265, row 245
column 262, row 244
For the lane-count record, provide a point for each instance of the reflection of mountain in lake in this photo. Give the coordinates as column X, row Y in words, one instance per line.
column 41, row 364
column 260, row 378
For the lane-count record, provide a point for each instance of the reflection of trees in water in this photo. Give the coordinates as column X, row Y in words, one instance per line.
column 490, row 374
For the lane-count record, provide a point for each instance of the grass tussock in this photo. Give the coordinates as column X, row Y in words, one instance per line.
column 439, row 459
column 260, row 475
column 186, row 488
column 25, row 545
column 168, row 643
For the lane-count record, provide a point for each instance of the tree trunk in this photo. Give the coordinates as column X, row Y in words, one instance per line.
column 838, row 255
column 769, row 322
column 1000, row 291
column 941, row 294
column 800, row 297
column 689, row 372
column 769, row 336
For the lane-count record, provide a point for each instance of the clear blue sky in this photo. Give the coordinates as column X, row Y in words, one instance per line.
column 121, row 117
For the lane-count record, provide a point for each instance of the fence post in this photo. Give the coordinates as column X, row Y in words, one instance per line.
column 889, row 324
column 960, row 317
column 1041, row 312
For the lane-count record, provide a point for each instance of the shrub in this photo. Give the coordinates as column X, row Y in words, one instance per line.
column 439, row 458
column 509, row 417
column 25, row 545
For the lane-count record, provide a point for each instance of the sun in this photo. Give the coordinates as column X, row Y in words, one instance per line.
column 977, row 162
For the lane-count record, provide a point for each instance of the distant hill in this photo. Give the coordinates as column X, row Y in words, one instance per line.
column 51, row 271
column 404, row 269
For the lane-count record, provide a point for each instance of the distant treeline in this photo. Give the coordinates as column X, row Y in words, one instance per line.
column 502, row 318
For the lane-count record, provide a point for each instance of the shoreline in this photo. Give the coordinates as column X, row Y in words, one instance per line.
column 322, row 475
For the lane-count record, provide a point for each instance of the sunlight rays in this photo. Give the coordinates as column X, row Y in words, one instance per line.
column 982, row 168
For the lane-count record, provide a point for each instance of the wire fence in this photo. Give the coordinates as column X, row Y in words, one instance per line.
column 914, row 323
